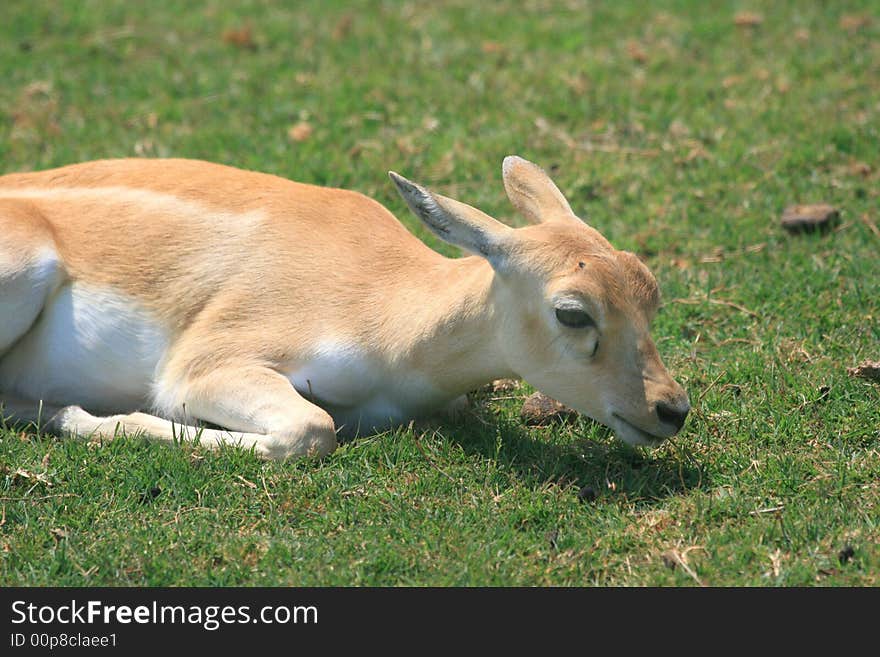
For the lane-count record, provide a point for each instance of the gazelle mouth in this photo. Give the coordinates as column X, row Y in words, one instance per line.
column 633, row 435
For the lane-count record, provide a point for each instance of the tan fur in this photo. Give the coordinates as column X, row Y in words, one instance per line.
column 249, row 273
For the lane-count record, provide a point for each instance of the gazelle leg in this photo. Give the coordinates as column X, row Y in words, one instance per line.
column 259, row 404
column 258, row 407
column 74, row 421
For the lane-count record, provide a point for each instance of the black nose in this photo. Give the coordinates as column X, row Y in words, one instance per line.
column 674, row 415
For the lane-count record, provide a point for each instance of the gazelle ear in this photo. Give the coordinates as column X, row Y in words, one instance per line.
column 532, row 192
column 456, row 222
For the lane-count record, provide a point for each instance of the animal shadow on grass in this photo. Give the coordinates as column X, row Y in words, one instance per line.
column 592, row 467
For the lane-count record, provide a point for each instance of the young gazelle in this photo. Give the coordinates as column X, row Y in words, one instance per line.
column 286, row 313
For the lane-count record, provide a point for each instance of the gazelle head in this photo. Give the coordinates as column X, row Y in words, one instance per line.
column 574, row 312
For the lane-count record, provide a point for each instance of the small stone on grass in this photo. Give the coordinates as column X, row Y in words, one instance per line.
column 587, row 494
column 540, row 410
column 150, row 495
column 810, row 218
column 869, row 369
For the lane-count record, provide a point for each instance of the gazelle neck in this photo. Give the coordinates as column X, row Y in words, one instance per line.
column 456, row 342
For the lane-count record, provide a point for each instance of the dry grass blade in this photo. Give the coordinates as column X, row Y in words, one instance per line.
column 40, row 498
column 247, row 483
column 772, row 509
column 418, row 441
column 268, row 494
column 718, row 302
column 710, row 386
column 731, row 304
column 870, row 224
column 680, row 559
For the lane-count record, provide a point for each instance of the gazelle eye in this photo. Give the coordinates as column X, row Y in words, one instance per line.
column 574, row 318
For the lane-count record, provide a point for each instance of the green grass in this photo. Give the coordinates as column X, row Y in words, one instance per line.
column 677, row 133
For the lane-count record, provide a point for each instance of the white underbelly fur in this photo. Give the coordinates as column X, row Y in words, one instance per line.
column 359, row 391
column 91, row 347
column 98, row 349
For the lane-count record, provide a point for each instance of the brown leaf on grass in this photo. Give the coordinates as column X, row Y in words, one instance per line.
column 868, row 369
column 696, row 153
column 852, row 23
column 826, row 572
column 343, row 27
column 866, row 219
column 862, row 169
column 240, row 37
column 406, row 145
column 731, row 80
column 636, row 51
column 802, row 35
column 492, row 47
column 300, row 131
column 37, row 110
column 578, row 83
column 748, row 19
column 36, row 88
column 678, row 129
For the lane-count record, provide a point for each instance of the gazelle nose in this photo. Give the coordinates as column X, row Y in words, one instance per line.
column 674, row 415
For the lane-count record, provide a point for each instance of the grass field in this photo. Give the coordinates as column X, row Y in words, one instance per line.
column 680, row 129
